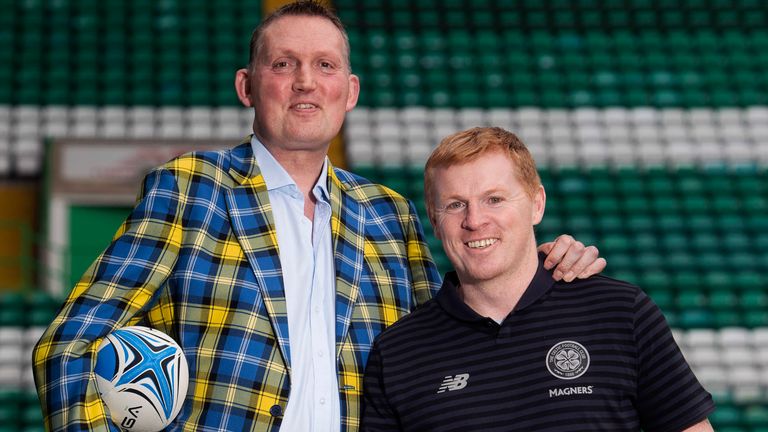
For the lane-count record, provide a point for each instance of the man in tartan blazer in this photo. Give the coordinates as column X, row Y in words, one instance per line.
column 199, row 256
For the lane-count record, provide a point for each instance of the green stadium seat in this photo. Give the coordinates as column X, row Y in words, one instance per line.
column 725, row 299
column 653, row 280
column 753, row 298
column 622, row 263
column 41, row 309
column 687, row 279
column 671, row 223
column 749, row 280
column 482, row 18
column 704, row 241
column 736, row 241
column 745, row 260
column 756, row 416
column 636, row 204
column 712, row 261
column 726, row 415
column 755, row 318
column 32, row 415
column 9, row 409
column 695, row 318
column 726, row 318
column 702, row 223
column 691, row 298
column 12, row 310
column 680, row 260
column 610, row 223
column 761, row 242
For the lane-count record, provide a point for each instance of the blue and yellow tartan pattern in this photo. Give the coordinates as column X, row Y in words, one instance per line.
column 197, row 258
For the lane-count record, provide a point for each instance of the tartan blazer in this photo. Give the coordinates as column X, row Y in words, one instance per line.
column 198, row 259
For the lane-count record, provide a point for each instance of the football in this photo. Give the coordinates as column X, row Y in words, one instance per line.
column 142, row 377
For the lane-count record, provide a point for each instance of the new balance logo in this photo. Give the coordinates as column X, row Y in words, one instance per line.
column 452, row 383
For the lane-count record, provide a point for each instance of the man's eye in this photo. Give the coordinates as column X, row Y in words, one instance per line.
column 456, row 205
column 281, row 65
column 495, row 200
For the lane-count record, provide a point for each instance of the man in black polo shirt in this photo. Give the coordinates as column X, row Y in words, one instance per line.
column 503, row 346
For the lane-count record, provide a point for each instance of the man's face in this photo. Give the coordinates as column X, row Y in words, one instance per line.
column 300, row 84
column 485, row 218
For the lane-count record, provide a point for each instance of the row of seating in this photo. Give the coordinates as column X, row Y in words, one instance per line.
column 23, row 129
column 530, row 116
column 557, row 137
column 172, row 53
column 409, row 38
column 558, row 14
column 123, row 52
column 386, row 136
column 553, row 5
column 492, row 97
column 30, row 121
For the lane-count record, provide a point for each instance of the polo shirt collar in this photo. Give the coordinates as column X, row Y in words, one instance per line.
column 449, row 299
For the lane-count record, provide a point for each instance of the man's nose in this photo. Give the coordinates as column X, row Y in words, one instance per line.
column 474, row 217
column 304, row 79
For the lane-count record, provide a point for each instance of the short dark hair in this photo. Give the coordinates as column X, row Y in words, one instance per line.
column 311, row 8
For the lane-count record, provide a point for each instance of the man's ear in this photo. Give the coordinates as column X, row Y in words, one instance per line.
column 243, row 87
column 354, row 91
column 539, row 204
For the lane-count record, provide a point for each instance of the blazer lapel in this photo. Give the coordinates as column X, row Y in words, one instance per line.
column 250, row 213
column 347, row 228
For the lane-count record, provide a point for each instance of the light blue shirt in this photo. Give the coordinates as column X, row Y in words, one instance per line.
column 306, row 257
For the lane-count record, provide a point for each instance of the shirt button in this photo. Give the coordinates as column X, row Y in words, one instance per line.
column 317, row 309
column 322, row 401
column 319, row 353
column 276, row 410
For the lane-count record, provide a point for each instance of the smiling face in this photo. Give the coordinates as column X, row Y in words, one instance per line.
column 485, row 216
column 300, row 85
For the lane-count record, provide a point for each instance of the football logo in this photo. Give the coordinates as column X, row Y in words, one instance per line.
column 567, row 360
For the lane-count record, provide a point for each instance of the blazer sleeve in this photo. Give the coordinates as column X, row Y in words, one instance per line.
column 119, row 285
column 426, row 276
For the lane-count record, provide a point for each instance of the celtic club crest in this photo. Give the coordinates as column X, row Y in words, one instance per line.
column 567, row 360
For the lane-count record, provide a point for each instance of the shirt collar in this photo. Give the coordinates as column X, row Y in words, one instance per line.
column 451, row 302
column 276, row 177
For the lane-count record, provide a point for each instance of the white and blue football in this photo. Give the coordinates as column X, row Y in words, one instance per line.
column 142, row 377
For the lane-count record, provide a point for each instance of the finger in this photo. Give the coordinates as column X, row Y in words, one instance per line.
column 596, row 267
column 572, row 255
column 588, row 256
column 545, row 248
column 562, row 244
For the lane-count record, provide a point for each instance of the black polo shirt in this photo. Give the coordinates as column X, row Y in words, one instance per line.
column 593, row 354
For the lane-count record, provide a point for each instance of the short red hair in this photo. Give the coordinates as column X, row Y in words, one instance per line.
column 468, row 145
